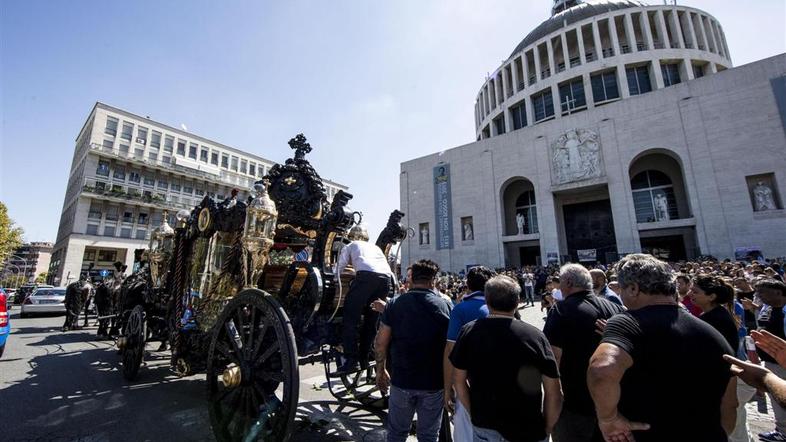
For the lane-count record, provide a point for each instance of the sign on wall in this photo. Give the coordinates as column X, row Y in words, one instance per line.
column 587, row 255
column 443, row 212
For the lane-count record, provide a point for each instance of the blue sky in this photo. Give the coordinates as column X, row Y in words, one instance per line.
column 370, row 83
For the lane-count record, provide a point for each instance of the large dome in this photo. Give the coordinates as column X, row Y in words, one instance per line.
column 577, row 13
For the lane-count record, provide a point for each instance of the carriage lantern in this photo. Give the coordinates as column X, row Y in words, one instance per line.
column 161, row 243
column 260, row 227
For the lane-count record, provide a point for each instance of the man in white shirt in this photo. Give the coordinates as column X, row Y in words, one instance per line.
column 373, row 280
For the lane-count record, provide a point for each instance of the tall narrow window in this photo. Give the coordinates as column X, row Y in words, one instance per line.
column 225, row 161
column 604, row 86
column 526, row 213
column 103, row 168
column 671, row 74
column 252, row 169
column 203, row 155
column 653, row 197
column 214, row 158
column 192, row 151
column 128, row 130
column 499, row 124
column 169, row 143
column 572, row 95
column 519, row 115
column 543, row 105
column 243, row 166
column 155, row 140
column 141, row 135
column 111, row 126
column 638, row 80
column 181, row 147
column 234, row 163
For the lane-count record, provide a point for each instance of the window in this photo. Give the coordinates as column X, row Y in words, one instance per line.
column 90, row 255
column 107, row 145
column 220, row 197
column 92, row 229
column 519, row 115
column 698, row 71
column 499, row 124
column 192, row 151
column 169, row 141
column 142, row 220
column 467, row 229
column 141, row 234
column 175, row 187
column 128, row 130
column 125, row 232
column 119, row 173
column 155, row 141
column 671, row 74
column 111, row 126
column 203, row 155
column 423, row 234
column 133, row 177
column 214, row 158
column 123, row 149
column 149, row 181
column 163, row 184
column 111, row 213
column 243, row 166
column 638, row 80
column 234, row 163
column 526, row 213
column 109, row 231
column 139, row 153
column 141, row 135
column 107, row 255
column 103, row 168
column 166, row 159
column 224, row 161
column 100, row 185
column 252, row 169
column 95, row 211
column 604, row 86
column 653, row 197
column 543, row 105
column 199, row 192
column 152, row 156
column 261, row 171
column 128, row 217
column 572, row 95
column 181, row 148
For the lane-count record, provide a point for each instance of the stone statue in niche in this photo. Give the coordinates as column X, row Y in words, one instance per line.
column 661, row 208
column 576, row 155
column 468, row 233
column 763, row 197
column 424, row 234
column 520, row 223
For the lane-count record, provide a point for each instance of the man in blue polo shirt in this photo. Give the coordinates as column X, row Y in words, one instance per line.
column 471, row 307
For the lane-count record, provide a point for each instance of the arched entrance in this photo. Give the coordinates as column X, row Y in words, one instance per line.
column 520, row 222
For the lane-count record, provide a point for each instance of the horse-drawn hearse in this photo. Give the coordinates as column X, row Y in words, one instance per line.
column 245, row 291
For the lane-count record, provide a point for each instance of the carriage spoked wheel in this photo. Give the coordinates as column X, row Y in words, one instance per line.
column 361, row 385
column 252, row 376
column 134, row 334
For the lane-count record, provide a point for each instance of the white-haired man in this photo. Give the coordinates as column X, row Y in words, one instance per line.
column 570, row 329
column 373, row 280
column 601, row 288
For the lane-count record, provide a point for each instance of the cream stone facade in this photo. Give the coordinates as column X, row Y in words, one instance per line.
column 127, row 170
column 687, row 166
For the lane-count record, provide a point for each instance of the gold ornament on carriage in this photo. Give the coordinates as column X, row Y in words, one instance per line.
column 258, row 233
column 160, row 250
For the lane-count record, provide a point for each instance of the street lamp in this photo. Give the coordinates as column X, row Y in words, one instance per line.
column 16, row 280
column 22, row 259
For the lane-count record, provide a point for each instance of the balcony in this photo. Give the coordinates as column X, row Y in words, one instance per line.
column 131, row 196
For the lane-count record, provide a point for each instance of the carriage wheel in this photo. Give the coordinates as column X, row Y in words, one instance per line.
column 252, row 377
column 361, row 385
column 134, row 333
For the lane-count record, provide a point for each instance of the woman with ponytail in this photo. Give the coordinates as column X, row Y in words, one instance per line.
column 715, row 298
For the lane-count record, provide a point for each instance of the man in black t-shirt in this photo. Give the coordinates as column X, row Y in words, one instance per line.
column 413, row 327
column 633, row 373
column 500, row 366
column 571, row 331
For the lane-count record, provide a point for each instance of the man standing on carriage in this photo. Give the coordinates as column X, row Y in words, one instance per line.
column 373, row 280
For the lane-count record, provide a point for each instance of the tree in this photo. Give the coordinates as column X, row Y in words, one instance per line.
column 41, row 278
column 10, row 234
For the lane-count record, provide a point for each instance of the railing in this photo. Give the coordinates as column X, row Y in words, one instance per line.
column 132, row 195
column 575, row 62
column 560, row 67
column 608, row 52
column 590, row 56
column 641, row 46
column 159, row 163
column 625, row 49
column 658, row 44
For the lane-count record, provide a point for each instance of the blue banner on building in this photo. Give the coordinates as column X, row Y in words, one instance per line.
column 443, row 213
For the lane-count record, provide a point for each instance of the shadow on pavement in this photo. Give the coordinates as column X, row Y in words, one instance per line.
column 334, row 421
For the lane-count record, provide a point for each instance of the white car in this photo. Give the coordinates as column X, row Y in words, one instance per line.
column 45, row 300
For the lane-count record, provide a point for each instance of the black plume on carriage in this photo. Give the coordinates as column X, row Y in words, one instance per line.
column 393, row 232
column 228, row 215
column 297, row 190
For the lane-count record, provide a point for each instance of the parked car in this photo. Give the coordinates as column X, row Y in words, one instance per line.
column 5, row 321
column 44, row 300
column 26, row 290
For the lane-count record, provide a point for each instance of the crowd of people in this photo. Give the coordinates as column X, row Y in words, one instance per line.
column 641, row 350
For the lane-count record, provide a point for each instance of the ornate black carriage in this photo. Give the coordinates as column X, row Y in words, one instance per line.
column 245, row 291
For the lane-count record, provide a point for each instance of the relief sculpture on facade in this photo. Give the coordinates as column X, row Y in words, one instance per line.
column 575, row 156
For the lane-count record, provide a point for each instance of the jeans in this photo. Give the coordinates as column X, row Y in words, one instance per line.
column 780, row 412
column 529, row 294
column 403, row 405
